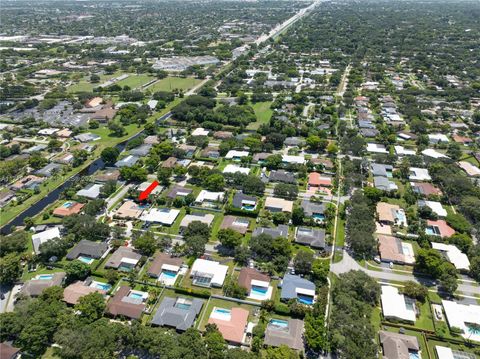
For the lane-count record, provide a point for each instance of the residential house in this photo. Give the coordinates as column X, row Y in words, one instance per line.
column 77, row 290
column 453, row 255
column 165, row 268
column 244, row 202
column 293, row 160
column 34, row 287
column 279, row 231
column 179, row 313
column 163, row 216
column 399, row 346
column 45, row 236
column 384, row 184
column 49, row 170
column 236, row 155
column 141, row 151
column 124, row 258
column 425, row 189
column 200, row 132
column 7, row 351
column 145, row 185
column 397, row 306
column 6, row 197
column 391, row 214
column 257, row 284
column 296, row 287
column 282, row 177
column 68, row 208
column 382, row 170
column 207, row 273
column 238, row 224
column 317, row 181
column 376, row 148
column 394, row 250
column 170, row 162
column 470, row 170
column 287, row 332
column 439, row 228
column 87, row 137
column 206, row 218
column 463, row 317
column 127, row 161
column 208, row 198
column 211, row 152
column 294, row 142
column 86, row 249
column 313, row 237
column 435, row 206
column 315, row 210
column 126, row 303
column 129, row 210
column 231, row 323
column 29, row 182
column 179, row 191
column 232, row 168
column 91, row 191
column 274, row 204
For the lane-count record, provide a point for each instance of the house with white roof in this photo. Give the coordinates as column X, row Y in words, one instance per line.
column 448, row 353
column 430, row 152
column 465, row 317
column 45, row 236
column 290, row 159
column 453, row 255
column 236, row 155
column 92, row 191
column 164, row 216
column 376, row 148
column 232, row 168
column 437, row 138
column 419, row 174
column 470, row 170
column 435, row 206
column 206, row 197
column 396, row 305
column 207, row 273
column 402, row 151
column 200, row 132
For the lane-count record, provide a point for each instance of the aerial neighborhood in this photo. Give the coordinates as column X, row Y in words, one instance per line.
column 271, row 179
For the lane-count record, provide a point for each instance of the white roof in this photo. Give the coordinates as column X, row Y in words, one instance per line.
column 234, row 153
column 376, row 148
column 129, row 260
column 438, row 137
column 293, row 159
column 152, row 104
column 91, row 191
column 453, row 254
column 206, row 218
column 205, row 195
column 437, row 208
column 430, row 152
column 444, row 352
column 394, row 306
column 48, row 131
column 45, row 236
column 231, row 168
column 458, row 315
column 419, row 174
column 217, row 270
column 259, row 283
column 160, row 215
column 170, row 267
column 200, row 132
column 470, row 169
column 402, row 151
column 305, row 291
column 279, row 203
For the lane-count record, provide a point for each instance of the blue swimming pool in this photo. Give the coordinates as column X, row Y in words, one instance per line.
column 169, row 274
column 248, row 207
column 85, row 259
column 319, row 216
column 305, row 299
column 279, row 323
column 100, row 285
column 222, row 311
column 67, row 204
column 259, row 290
column 45, row 276
column 472, row 329
column 185, row 306
column 413, row 355
column 136, row 295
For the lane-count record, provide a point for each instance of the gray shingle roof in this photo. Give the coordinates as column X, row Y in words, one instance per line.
column 280, row 231
column 282, row 176
column 291, row 336
column 291, row 282
column 311, row 208
column 88, row 248
column 240, row 197
column 313, row 237
column 171, row 315
column 379, row 169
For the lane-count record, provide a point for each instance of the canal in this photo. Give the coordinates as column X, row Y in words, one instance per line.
column 53, row 196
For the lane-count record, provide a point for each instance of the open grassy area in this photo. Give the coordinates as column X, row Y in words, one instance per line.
column 263, row 113
column 170, row 83
column 135, row 81
column 84, row 85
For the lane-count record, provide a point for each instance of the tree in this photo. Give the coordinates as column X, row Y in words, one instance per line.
column 298, row 216
column 76, row 270
column 242, row 255
column 214, row 342
column 116, row 128
column 303, row 261
column 94, row 206
column 454, row 151
column 253, row 185
column 448, row 279
column 273, row 162
column 10, row 268
column 315, row 143
column 229, row 238
column 285, row 190
column 147, row 244
column 215, row 182
column 320, row 271
column 267, row 249
column 54, row 145
column 13, row 243
column 108, row 188
column 415, row 290
column 135, row 173
column 233, row 289
column 56, row 247
column 282, row 352
column 109, row 155
column 91, row 307
column 79, row 157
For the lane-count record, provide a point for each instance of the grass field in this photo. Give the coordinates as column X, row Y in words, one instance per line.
column 135, row 81
column 263, row 113
column 86, row 86
column 170, row 83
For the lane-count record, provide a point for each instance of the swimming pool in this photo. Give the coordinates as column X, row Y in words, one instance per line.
column 99, row 285
column 67, row 204
column 413, row 355
column 136, row 295
column 44, row 276
column 259, row 290
column 221, row 313
column 319, row 216
column 248, row 207
column 432, row 231
column 473, row 329
column 169, row 274
column 85, row 259
column 278, row 323
column 305, row 299
column 402, row 218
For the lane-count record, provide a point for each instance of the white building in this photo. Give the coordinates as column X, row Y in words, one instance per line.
column 207, row 196
column 43, row 237
column 200, row 132
column 430, row 152
column 293, row 159
column 396, row 305
column 436, row 208
column 376, row 148
column 231, row 168
column 419, row 174
column 437, row 138
column 207, row 273
column 165, row 216
column 236, row 155
column 453, row 255
column 463, row 317
column 402, row 151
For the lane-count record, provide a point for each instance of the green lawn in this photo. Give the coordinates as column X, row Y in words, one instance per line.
column 170, row 83
column 135, row 81
column 263, row 113
column 84, row 85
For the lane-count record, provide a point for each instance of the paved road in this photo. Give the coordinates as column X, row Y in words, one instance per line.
column 348, row 263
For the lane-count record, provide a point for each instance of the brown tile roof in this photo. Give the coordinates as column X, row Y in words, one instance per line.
column 7, row 351
column 390, row 249
column 248, row 274
column 385, row 211
column 118, row 306
column 426, row 188
column 461, row 139
column 106, row 113
column 169, row 162
column 160, row 259
column 444, row 228
column 63, row 211
column 229, row 222
column 75, row 291
column 397, row 346
column 233, row 329
column 110, row 175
